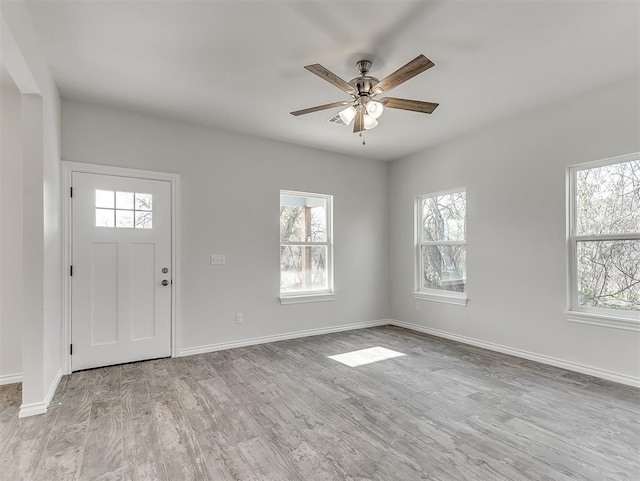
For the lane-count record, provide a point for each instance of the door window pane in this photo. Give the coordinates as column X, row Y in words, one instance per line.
column 144, row 201
column 124, row 218
column 105, row 218
column 104, row 198
column 124, row 200
column 124, row 209
column 144, row 220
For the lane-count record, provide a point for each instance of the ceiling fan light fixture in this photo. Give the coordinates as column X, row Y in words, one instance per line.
column 363, row 111
column 374, row 109
column 348, row 114
column 370, row 122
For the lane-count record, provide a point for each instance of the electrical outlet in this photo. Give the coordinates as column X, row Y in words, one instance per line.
column 217, row 259
column 239, row 318
column 417, row 306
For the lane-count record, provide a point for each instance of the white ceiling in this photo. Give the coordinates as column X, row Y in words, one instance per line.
column 238, row 65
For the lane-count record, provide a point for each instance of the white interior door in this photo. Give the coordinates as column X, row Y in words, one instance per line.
column 121, row 274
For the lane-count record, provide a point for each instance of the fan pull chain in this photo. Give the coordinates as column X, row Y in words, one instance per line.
column 362, row 135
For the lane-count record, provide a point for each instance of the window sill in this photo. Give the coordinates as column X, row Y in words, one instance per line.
column 457, row 298
column 307, row 298
column 603, row 320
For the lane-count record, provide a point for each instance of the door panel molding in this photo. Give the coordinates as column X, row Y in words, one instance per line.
column 68, row 168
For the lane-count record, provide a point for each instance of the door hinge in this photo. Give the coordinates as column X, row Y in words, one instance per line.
column 71, row 270
column 71, row 349
column 70, row 191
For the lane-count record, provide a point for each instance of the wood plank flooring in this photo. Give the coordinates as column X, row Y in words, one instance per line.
column 285, row 411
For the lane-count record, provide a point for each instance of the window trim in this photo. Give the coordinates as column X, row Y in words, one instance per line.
column 426, row 294
column 317, row 295
column 618, row 319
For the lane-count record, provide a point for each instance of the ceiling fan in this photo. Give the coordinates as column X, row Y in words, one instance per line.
column 364, row 109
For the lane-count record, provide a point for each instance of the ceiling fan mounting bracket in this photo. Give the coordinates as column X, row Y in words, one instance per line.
column 363, row 66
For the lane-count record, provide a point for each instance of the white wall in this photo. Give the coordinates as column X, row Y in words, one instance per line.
column 40, row 117
column 10, row 234
column 229, row 205
column 514, row 174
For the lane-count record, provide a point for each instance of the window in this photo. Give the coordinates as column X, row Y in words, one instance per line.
column 604, row 242
column 441, row 247
column 124, row 209
column 305, row 247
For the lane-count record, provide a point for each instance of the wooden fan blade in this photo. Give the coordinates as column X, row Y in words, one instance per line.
column 358, row 121
column 413, row 105
column 319, row 107
column 408, row 71
column 330, row 77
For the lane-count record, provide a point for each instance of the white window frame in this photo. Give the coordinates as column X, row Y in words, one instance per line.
column 437, row 295
column 328, row 294
column 619, row 319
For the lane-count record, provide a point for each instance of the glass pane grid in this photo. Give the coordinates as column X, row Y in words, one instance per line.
column 125, row 210
column 605, row 230
column 442, row 242
column 304, row 243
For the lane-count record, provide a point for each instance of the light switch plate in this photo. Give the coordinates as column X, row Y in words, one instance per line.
column 217, row 259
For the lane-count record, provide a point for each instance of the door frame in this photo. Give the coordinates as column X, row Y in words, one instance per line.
column 68, row 168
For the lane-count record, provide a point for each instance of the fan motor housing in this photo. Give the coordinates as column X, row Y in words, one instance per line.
column 364, row 85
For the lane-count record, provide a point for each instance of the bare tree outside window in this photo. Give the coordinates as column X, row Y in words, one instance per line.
column 442, row 242
column 304, row 242
column 606, row 236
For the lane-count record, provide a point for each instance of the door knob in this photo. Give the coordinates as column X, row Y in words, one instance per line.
column 165, row 282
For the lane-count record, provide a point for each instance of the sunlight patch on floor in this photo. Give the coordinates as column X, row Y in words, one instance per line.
column 366, row 356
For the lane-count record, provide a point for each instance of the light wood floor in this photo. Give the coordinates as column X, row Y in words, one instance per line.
column 285, row 411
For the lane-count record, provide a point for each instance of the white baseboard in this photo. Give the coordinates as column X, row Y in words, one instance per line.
column 10, row 378
column 190, row 351
column 53, row 388
column 552, row 361
column 33, row 409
